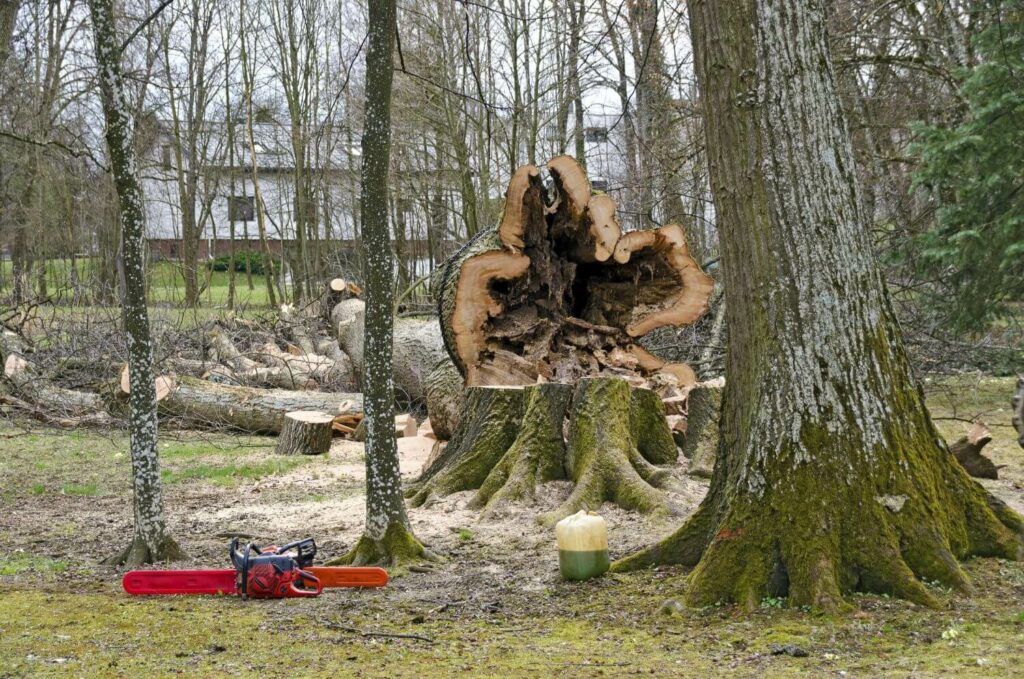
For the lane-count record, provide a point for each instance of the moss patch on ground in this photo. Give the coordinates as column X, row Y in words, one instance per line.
column 608, row 627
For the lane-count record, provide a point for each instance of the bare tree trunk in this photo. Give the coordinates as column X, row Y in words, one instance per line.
column 831, row 476
column 387, row 537
column 151, row 540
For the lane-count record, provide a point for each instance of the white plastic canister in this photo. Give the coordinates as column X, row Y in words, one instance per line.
column 582, row 545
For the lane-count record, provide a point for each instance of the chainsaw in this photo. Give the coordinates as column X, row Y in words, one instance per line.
column 258, row 573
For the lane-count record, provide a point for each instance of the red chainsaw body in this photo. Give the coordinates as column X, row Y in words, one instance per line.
column 223, row 581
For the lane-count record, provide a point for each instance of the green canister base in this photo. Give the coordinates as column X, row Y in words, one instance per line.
column 582, row 565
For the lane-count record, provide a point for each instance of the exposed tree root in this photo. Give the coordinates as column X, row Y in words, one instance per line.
column 509, row 439
column 397, row 550
column 138, row 553
column 536, row 455
column 602, row 455
column 815, row 542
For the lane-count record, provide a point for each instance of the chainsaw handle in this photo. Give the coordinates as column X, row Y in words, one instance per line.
column 305, row 577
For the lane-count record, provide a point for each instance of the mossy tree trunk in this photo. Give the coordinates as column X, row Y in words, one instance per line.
column 831, row 476
column 387, row 538
column 509, row 439
column 151, row 540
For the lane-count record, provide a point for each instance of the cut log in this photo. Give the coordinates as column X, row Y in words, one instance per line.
column 444, row 395
column 677, row 424
column 511, row 438
column 199, row 404
column 223, row 349
column 59, row 404
column 967, row 451
column 417, row 348
column 704, row 404
column 426, row 429
column 305, row 432
column 555, row 292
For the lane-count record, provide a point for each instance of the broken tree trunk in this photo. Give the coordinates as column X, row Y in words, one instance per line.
column 305, row 432
column 556, row 292
column 201, row 404
column 444, row 393
column 541, row 315
column 967, row 451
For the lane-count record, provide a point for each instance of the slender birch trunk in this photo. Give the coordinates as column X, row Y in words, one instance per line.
column 387, row 537
column 151, row 540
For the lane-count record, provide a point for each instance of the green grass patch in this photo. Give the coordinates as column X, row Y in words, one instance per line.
column 230, row 474
column 20, row 562
column 81, row 489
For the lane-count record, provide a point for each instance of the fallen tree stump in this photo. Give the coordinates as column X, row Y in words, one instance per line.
column 542, row 316
column 967, row 451
column 305, row 432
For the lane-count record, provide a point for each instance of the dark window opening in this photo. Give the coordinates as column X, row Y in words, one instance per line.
column 241, row 208
column 599, row 184
column 595, row 134
column 165, row 159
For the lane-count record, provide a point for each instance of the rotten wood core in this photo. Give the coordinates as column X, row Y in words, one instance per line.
column 556, row 292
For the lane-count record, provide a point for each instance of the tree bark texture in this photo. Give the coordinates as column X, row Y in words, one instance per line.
column 151, row 540
column 831, row 476
column 387, row 537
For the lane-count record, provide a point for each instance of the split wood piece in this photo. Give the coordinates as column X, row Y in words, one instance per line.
column 1017, row 403
column 405, row 425
column 554, row 293
column 426, row 429
column 345, row 425
column 967, row 451
column 199, row 404
column 305, row 432
column 700, row 446
column 164, row 384
column 511, row 438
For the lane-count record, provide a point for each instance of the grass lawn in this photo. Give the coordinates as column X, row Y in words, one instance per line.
column 166, row 284
column 494, row 608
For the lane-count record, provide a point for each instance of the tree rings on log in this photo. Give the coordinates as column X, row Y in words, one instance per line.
column 164, row 384
column 305, row 432
column 556, row 292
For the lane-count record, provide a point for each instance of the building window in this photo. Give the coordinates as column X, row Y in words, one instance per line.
column 596, row 134
column 599, row 184
column 165, row 157
column 241, row 208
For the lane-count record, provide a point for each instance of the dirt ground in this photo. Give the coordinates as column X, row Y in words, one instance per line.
column 495, row 606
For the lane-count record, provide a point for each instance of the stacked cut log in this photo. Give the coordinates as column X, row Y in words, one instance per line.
column 542, row 316
column 307, row 365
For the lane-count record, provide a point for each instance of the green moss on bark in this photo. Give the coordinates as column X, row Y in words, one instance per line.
column 397, row 551
column 650, row 428
column 602, row 457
